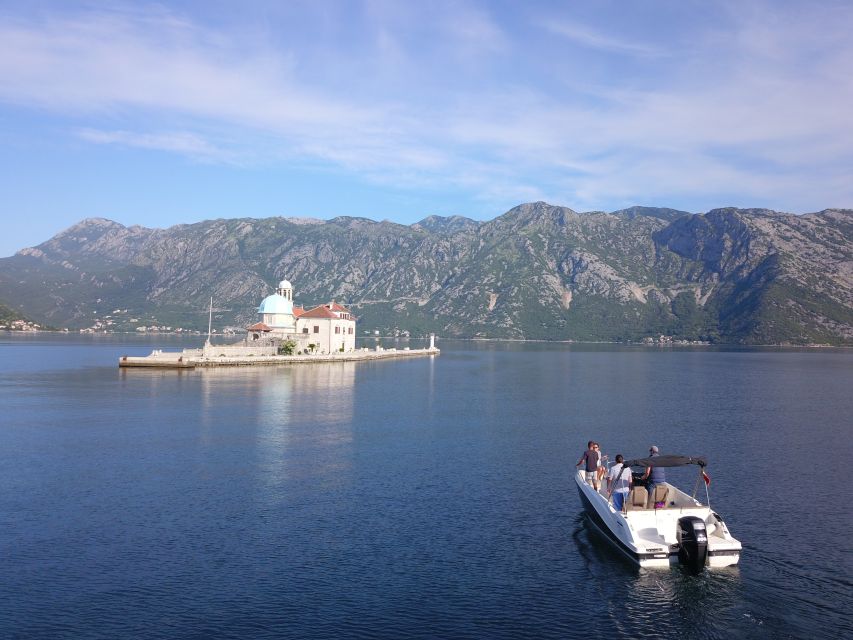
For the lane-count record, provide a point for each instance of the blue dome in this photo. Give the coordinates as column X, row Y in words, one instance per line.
column 276, row 304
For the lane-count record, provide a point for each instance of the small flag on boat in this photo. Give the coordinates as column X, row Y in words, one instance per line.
column 707, row 479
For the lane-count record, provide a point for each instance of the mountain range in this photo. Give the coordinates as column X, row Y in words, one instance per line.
column 748, row 276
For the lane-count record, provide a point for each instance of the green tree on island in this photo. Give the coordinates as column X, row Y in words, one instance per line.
column 287, row 348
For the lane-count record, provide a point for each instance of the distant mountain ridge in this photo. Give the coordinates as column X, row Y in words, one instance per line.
column 751, row 276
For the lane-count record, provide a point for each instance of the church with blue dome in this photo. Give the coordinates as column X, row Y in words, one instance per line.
column 327, row 328
column 276, row 310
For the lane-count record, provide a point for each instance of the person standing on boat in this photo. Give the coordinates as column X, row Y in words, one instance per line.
column 590, row 460
column 654, row 475
column 602, row 463
column 618, row 482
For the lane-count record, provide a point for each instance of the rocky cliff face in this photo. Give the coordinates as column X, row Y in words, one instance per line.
column 538, row 271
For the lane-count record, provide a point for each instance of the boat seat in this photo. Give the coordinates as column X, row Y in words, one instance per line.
column 636, row 499
column 660, row 494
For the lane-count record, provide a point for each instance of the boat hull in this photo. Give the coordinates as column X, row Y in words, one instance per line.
column 657, row 546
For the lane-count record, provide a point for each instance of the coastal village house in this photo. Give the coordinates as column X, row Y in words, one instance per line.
column 327, row 328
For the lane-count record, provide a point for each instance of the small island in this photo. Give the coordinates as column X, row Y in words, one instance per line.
column 284, row 334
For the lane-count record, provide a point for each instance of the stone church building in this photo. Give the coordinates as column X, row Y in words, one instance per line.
column 327, row 328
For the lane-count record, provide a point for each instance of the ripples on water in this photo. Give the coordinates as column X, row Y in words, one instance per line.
column 408, row 499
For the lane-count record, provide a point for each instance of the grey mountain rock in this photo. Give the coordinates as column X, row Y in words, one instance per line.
column 538, row 271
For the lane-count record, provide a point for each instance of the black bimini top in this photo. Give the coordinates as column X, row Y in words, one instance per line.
column 669, row 460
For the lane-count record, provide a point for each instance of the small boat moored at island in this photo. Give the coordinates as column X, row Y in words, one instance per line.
column 666, row 528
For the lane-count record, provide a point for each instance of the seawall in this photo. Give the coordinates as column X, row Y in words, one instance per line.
column 192, row 358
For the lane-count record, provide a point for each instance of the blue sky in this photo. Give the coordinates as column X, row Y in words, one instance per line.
column 168, row 113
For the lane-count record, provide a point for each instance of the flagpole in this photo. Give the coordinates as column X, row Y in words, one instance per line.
column 210, row 320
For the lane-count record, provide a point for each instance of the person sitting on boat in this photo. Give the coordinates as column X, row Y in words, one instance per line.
column 653, row 475
column 590, row 460
column 618, row 483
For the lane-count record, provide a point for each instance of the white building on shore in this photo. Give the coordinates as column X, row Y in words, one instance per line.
column 327, row 328
column 331, row 327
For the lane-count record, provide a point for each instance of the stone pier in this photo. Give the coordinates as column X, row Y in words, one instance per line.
column 212, row 356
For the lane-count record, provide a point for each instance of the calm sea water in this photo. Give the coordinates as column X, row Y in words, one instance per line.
column 419, row 498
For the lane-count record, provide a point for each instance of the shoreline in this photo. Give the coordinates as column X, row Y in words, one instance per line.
column 460, row 339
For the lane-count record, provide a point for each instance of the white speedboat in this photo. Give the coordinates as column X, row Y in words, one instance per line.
column 669, row 527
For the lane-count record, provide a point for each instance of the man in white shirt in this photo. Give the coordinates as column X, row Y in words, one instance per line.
column 618, row 487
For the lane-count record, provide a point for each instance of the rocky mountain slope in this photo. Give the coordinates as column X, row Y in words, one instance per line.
column 537, row 272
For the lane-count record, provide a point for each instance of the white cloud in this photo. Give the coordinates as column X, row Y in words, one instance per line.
column 757, row 108
column 183, row 142
column 104, row 62
column 586, row 36
column 474, row 31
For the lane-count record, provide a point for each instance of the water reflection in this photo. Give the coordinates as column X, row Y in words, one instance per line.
column 282, row 421
column 430, row 390
column 321, row 425
column 324, row 391
column 280, row 395
column 662, row 602
column 299, row 417
column 160, row 391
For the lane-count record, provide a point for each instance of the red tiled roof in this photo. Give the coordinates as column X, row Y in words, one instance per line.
column 319, row 312
column 258, row 326
column 298, row 311
column 334, row 306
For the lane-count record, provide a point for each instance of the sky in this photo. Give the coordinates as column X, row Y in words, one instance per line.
column 169, row 113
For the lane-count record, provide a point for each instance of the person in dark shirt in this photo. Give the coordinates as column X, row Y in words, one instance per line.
column 654, row 475
column 590, row 460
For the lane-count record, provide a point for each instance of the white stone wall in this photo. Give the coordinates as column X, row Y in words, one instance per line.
column 237, row 351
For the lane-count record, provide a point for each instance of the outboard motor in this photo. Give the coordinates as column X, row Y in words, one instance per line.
column 692, row 543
